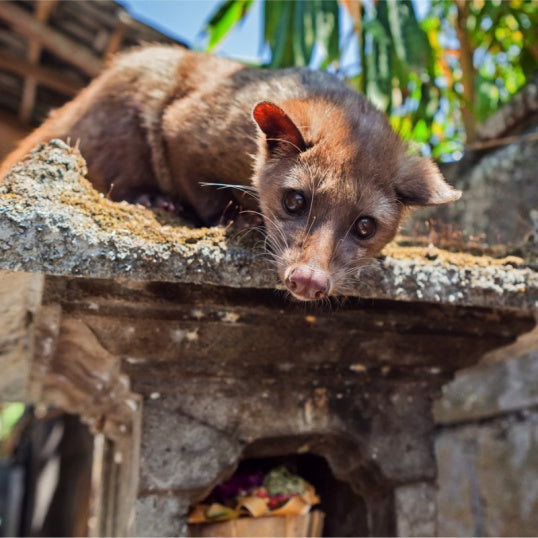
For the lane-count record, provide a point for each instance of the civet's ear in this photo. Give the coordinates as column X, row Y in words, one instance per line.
column 419, row 182
column 280, row 131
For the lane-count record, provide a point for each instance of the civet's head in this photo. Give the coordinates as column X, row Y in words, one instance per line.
column 333, row 187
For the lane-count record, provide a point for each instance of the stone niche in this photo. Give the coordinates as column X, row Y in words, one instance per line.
column 174, row 346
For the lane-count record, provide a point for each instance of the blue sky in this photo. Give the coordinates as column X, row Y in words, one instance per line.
column 185, row 19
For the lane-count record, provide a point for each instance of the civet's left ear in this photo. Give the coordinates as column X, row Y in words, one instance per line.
column 419, row 182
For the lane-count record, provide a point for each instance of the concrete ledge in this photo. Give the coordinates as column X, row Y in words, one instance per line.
column 52, row 221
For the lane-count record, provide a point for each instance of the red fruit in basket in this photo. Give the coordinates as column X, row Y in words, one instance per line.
column 259, row 492
column 278, row 500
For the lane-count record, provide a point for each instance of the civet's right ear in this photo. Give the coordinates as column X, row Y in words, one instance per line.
column 281, row 133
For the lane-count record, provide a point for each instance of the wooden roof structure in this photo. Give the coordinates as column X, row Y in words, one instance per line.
column 50, row 49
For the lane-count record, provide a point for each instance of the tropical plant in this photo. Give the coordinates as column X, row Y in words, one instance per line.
column 10, row 414
column 437, row 76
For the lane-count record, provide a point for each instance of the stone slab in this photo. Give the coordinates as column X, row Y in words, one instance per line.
column 52, row 221
column 161, row 515
column 484, row 392
column 415, row 509
column 488, row 477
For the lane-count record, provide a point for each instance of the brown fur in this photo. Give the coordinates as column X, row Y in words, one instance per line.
column 164, row 119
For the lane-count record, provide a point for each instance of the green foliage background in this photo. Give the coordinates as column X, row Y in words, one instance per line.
column 436, row 78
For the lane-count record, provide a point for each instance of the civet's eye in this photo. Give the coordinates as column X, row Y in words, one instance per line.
column 365, row 227
column 294, row 202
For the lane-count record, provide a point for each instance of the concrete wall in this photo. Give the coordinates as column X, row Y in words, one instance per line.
column 487, row 451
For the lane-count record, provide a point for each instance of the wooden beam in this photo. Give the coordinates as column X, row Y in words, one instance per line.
column 12, row 131
column 21, row 21
column 43, row 75
column 116, row 39
column 43, row 10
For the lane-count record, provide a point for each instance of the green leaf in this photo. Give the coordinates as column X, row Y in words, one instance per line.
column 378, row 76
column 528, row 62
column 409, row 39
column 327, row 28
column 421, row 133
column 278, row 19
column 9, row 416
column 379, row 62
column 224, row 19
column 293, row 28
column 302, row 39
column 377, row 30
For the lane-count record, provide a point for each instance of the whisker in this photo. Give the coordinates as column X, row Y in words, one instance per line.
column 276, row 228
column 269, row 219
column 243, row 232
column 227, row 186
column 309, row 229
column 353, row 271
column 340, row 241
column 247, row 189
column 308, row 219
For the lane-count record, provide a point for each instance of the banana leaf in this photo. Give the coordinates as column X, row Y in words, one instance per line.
column 228, row 14
column 293, row 29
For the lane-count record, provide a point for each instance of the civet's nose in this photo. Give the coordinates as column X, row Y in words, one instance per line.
column 308, row 283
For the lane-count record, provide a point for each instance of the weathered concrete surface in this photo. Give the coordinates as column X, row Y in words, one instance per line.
column 416, row 509
column 53, row 221
column 169, row 522
column 206, row 452
column 487, row 446
column 487, row 435
column 20, row 297
column 49, row 216
column 501, row 195
column 485, row 392
column 488, row 477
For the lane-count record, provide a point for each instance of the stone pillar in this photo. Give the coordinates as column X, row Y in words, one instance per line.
column 181, row 459
column 20, row 299
column 415, row 508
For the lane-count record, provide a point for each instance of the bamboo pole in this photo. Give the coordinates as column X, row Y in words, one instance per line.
column 43, row 75
column 70, row 51
column 116, row 39
column 43, row 11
